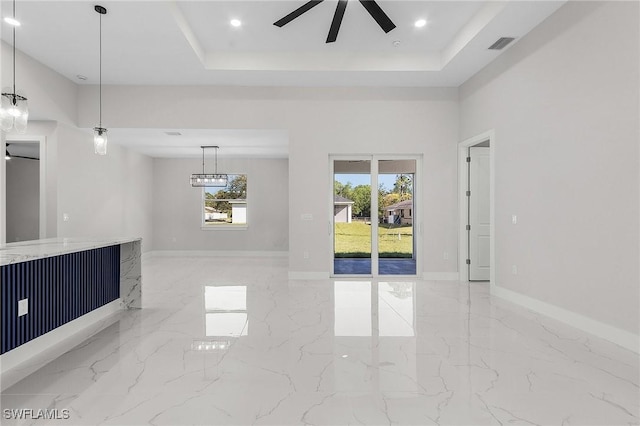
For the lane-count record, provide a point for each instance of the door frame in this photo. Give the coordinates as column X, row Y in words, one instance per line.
column 417, row 206
column 463, row 179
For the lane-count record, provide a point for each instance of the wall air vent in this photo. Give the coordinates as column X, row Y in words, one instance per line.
column 501, row 43
column 173, row 133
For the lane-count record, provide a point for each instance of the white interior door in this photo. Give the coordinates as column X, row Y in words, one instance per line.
column 479, row 214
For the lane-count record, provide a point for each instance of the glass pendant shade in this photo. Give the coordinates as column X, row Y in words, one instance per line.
column 14, row 111
column 100, row 140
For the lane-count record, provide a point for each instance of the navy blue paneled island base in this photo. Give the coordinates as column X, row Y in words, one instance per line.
column 57, row 290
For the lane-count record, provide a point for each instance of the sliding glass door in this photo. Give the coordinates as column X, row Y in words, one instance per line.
column 352, row 236
column 396, row 243
column 373, row 216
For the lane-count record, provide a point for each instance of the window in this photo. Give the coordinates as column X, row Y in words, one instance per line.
column 226, row 206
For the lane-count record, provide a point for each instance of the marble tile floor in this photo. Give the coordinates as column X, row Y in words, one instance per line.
column 351, row 266
column 231, row 341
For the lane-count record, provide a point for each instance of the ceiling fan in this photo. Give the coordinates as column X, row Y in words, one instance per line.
column 372, row 7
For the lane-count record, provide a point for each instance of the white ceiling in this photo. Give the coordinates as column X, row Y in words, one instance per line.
column 192, row 43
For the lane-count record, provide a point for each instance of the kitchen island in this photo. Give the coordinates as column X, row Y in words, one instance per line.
column 55, row 289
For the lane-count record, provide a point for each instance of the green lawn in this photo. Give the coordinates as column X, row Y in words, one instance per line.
column 354, row 240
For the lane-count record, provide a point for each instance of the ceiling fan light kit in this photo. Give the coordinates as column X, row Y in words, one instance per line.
column 371, row 6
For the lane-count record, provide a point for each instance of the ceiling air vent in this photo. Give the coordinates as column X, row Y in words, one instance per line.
column 501, row 43
column 173, row 133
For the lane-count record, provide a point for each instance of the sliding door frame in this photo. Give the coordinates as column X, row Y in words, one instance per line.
column 417, row 207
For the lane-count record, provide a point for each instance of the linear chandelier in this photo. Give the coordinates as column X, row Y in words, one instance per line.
column 100, row 133
column 209, row 179
column 14, row 111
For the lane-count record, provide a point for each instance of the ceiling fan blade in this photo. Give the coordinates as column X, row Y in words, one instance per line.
column 337, row 20
column 378, row 14
column 299, row 11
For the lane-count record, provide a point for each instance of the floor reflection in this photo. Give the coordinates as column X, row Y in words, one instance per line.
column 226, row 311
column 374, row 336
column 365, row 308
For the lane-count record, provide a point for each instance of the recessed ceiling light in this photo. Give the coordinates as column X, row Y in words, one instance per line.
column 420, row 23
column 81, row 77
column 396, row 43
column 12, row 21
column 235, row 23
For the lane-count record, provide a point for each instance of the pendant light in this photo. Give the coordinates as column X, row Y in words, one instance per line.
column 209, row 179
column 14, row 111
column 100, row 133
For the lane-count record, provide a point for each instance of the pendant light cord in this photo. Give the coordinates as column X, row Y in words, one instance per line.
column 14, row 53
column 100, row 75
column 216, row 164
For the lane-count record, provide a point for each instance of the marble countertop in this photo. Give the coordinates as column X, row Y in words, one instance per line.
column 38, row 249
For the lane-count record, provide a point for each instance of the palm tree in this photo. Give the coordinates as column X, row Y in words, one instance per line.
column 403, row 186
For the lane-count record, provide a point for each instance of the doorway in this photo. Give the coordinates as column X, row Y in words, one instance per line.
column 373, row 210
column 476, row 187
column 25, row 190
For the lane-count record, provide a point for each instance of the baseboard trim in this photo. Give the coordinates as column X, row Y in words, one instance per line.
column 146, row 255
column 295, row 275
column 18, row 363
column 441, row 276
column 427, row 276
column 613, row 334
column 217, row 253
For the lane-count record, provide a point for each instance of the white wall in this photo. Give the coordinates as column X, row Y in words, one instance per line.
column 320, row 122
column 564, row 105
column 104, row 196
column 23, row 199
column 177, row 207
column 51, row 96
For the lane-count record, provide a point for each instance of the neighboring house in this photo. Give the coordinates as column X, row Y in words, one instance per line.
column 400, row 213
column 211, row 214
column 342, row 209
column 238, row 211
